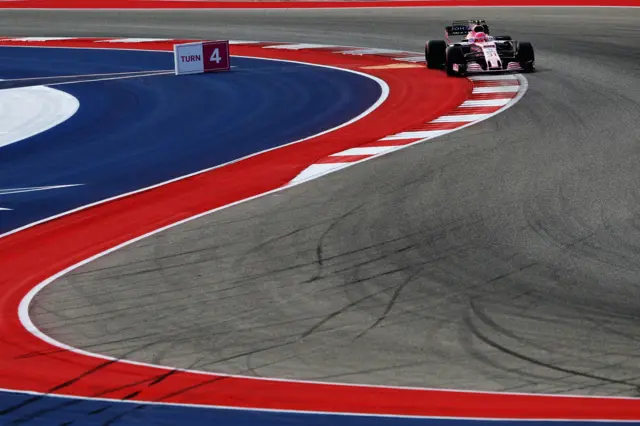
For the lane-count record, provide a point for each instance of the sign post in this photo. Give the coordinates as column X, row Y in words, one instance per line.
column 201, row 57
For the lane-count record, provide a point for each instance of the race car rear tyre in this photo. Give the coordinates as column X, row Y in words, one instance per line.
column 435, row 54
column 526, row 56
column 455, row 57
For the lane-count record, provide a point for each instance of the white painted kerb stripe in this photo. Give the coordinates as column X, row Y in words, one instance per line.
column 421, row 134
column 244, row 42
column 485, row 103
column 365, row 151
column 300, row 46
column 496, row 89
column 317, row 170
column 466, row 118
column 371, row 52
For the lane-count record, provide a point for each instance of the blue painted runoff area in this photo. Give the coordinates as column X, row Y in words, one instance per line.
column 132, row 133
column 38, row 410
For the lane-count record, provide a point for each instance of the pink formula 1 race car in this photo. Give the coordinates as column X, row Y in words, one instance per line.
column 478, row 51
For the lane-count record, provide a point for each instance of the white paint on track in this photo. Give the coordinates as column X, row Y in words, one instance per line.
column 28, row 111
column 496, row 89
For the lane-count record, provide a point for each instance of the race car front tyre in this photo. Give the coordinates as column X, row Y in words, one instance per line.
column 435, row 54
column 455, row 62
column 525, row 56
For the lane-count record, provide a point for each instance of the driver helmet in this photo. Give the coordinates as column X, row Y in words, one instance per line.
column 480, row 37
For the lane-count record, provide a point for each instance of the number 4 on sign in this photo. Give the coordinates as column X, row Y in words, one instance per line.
column 215, row 56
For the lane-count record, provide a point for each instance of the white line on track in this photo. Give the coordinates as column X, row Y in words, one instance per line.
column 153, row 74
column 38, row 38
column 299, row 46
column 35, row 188
column 86, row 75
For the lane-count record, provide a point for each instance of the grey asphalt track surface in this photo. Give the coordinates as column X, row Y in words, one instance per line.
column 503, row 257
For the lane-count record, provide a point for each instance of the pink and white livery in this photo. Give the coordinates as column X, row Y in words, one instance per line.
column 478, row 51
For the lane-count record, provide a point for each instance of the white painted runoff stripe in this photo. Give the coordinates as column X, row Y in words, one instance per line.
column 317, row 170
column 462, row 118
column 28, row 111
column 420, row 134
column 39, row 38
column 485, row 103
column 366, row 51
column 132, row 40
column 364, row 151
column 235, row 42
column 300, row 46
column 496, row 89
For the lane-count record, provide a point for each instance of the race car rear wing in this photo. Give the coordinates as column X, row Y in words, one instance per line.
column 464, row 27
column 457, row 30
